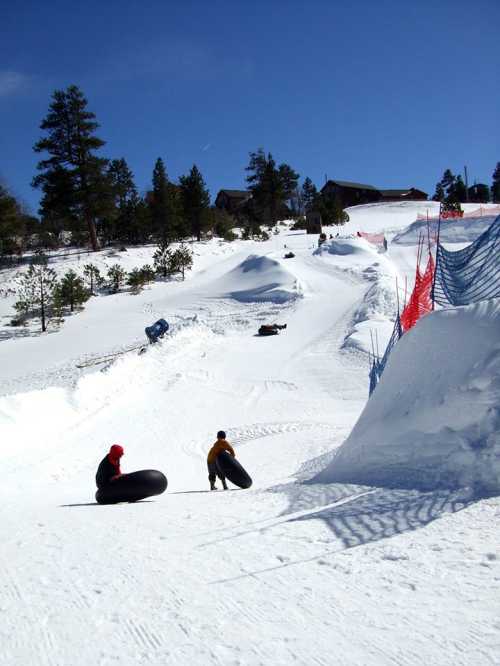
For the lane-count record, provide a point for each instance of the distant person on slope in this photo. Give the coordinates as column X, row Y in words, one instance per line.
column 109, row 467
column 220, row 445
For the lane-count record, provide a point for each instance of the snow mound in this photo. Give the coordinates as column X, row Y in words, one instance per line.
column 434, row 420
column 346, row 246
column 260, row 278
column 464, row 230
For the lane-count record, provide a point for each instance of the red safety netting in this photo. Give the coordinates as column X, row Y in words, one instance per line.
column 482, row 211
column 420, row 302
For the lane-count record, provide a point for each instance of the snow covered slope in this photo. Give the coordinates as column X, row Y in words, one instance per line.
column 289, row 572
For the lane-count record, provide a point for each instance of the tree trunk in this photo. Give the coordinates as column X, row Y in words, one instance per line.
column 42, row 305
column 92, row 232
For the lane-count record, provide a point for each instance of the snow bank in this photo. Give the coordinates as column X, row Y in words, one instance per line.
column 346, row 246
column 463, row 230
column 434, row 420
column 374, row 317
column 259, row 278
column 387, row 217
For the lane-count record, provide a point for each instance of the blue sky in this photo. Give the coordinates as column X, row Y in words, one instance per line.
column 388, row 93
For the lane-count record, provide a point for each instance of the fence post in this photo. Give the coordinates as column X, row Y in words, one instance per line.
column 437, row 261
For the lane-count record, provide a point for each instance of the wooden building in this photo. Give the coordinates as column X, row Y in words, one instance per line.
column 232, row 200
column 410, row 194
column 350, row 194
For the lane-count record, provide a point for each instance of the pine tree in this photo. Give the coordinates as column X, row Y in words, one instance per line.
column 448, row 181
column 92, row 275
column 35, row 292
column 57, row 206
column 165, row 205
column 309, row 194
column 162, row 259
column 456, row 192
column 148, row 273
column 439, row 194
column 136, row 280
column 196, row 201
column 182, row 259
column 125, row 202
column 222, row 223
column 71, row 143
column 495, row 186
column 272, row 187
column 116, row 277
column 71, row 291
column 11, row 222
column 330, row 209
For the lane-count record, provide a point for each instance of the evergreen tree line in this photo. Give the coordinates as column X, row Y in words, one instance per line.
column 89, row 200
column 41, row 294
column 451, row 189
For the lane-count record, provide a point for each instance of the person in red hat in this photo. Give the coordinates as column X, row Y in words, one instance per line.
column 109, row 467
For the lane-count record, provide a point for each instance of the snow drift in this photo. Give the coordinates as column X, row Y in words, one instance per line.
column 347, row 246
column 259, row 278
column 434, row 420
column 375, row 315
column 464, row 230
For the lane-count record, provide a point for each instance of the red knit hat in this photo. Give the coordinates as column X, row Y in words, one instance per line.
column 116, row 451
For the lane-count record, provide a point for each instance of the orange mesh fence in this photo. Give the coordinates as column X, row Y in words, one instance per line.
column 473, row 214
column 420, row 302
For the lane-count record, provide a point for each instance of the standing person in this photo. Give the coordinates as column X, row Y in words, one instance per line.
column 220, row 445
column 109, row 467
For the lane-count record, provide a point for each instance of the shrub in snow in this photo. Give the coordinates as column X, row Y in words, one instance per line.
column 35, row 293
column 230, row 236
column 139, row 277
column 148, row 273
column 162, row 259
column 116, row 278
column 71, row 291
column 92, row 276
column 223, row 223
column 181, row 260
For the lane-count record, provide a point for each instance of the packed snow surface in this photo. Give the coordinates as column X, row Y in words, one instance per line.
column 291, row 571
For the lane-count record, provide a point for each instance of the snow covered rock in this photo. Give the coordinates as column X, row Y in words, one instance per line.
column 434, row 419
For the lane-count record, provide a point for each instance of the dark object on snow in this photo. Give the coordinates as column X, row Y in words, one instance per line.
column 109, row 467
column 321, row 239
column 231, row 469
column 132, row 487
column 289, row 255
column 271, row 329
column 156, row 331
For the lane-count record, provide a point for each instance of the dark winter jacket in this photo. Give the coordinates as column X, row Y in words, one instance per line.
column 105, row 472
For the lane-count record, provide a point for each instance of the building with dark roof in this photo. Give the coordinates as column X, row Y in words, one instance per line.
column 350, row 194
column 410, row 194
column 232, row 200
